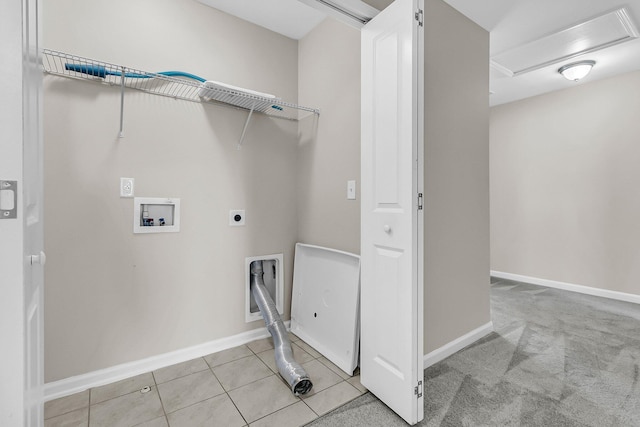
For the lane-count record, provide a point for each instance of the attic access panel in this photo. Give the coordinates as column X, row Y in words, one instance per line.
column 325, row 306
column 589, row 36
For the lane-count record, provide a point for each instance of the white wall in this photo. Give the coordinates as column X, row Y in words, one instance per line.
column 329, row 152
column 12, row 380
column 456, row 169
column 564, row 185
column 112, row 296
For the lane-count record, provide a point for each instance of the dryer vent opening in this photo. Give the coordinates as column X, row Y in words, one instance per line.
column 273, row 279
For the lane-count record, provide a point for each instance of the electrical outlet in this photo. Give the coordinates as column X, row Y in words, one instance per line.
column 126, row 187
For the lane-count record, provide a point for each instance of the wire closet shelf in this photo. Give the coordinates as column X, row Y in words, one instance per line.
column 81, row 68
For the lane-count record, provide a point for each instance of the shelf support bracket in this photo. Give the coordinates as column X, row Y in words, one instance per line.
column 121, row 134
column 246, row 125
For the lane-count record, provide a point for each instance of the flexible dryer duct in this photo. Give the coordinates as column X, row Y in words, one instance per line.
column 289, row 369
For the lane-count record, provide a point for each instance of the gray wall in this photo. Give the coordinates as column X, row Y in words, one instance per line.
column 329, row 152
column 112, row 296
column 564, row 178
column 456, row 167
column 456, row 161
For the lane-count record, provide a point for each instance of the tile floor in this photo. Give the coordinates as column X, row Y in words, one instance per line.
column 235, row 387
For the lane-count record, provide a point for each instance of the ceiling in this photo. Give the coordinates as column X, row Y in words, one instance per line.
column 512, row 24
column 287, row 17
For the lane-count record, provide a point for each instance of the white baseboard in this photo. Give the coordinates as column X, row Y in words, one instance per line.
column 458, row 344
column 71, row 385
column 598, row 292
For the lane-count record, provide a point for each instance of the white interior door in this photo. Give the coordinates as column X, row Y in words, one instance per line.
column 391, row 252
column 33, row 212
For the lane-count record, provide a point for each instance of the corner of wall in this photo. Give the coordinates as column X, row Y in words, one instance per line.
column 456, row 129
column 329, row 145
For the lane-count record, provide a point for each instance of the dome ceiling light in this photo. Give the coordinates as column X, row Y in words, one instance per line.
column 576, row 70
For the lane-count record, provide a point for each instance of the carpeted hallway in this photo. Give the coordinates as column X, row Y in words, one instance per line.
column 556, row 358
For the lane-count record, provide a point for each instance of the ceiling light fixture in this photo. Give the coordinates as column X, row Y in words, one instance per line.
column 576, row 70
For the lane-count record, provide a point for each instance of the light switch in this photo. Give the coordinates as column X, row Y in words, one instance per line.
column 351, row 190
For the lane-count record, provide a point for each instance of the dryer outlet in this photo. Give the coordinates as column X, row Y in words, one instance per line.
column 236, row 217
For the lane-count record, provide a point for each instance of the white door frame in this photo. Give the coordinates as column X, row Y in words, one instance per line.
column 11, row 230
column 32, row 212
column 13, row 372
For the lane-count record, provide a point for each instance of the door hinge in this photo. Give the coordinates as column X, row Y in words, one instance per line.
column 419, row 201
column 417, row 390
column 419, row 17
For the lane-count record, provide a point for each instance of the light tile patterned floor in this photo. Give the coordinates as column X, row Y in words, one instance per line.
column 236, row 387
